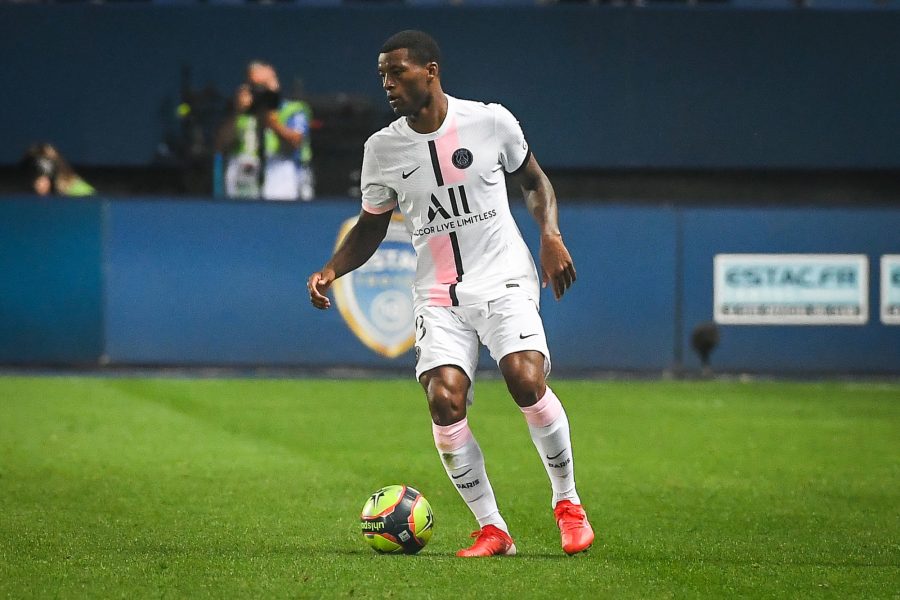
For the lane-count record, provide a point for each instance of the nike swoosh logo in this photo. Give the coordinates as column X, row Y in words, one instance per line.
column 405, row 175
column 557, row 456
column 461, row 475
column 522, row 336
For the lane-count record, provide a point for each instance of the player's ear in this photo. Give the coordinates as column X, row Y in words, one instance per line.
column 434, row 71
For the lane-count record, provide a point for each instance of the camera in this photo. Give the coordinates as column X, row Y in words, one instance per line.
column 39, row 160
column 264, row 99
column 43, row 166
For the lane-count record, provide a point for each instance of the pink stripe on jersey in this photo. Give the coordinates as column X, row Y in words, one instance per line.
column 441, row 249
column 446, row 145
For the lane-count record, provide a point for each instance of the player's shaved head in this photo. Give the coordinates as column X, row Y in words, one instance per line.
column 420, row 46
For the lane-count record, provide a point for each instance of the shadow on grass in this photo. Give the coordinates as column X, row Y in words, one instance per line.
column 598, row 555
column 426, row 555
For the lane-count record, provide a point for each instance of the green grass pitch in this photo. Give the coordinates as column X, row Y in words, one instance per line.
column 224, row 488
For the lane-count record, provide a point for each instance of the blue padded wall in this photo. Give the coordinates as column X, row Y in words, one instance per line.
column 51, row 281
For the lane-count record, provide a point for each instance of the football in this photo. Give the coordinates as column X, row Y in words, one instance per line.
column 397, row 518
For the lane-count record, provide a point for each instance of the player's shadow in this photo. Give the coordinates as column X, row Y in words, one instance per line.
column 425, row 555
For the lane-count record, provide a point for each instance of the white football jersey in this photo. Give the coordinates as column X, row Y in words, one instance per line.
column 451, row 189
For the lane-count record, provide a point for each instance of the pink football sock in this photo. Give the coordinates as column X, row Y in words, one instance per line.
column 464, row 463
column 549, row 428
column 544, row 411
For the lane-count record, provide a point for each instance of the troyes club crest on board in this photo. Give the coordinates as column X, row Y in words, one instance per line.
column 376, row 299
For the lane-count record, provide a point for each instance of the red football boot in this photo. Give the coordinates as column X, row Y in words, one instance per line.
column 576, row 531
column 490, row 541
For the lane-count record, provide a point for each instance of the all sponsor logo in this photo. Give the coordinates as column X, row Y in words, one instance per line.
column 450, row 212
column 376, row 299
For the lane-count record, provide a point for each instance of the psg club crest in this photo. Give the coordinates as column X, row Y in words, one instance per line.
column 376, row 299
column 462, row 158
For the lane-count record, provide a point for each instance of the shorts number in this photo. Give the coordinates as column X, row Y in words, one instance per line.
column 420, row 327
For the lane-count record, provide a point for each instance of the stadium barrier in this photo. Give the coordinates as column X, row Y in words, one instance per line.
column 204, row 282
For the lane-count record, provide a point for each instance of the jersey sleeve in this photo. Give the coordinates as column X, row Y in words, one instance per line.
column 377, row 197
column 514, row 149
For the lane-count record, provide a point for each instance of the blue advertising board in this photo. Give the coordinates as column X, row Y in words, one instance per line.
column 868, row 347
column 219, row 283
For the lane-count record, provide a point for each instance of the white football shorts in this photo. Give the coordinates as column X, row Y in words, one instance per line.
column 449, row 335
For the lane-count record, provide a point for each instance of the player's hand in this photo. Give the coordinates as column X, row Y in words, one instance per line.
column 272, row 119
column 318, row 284
column 557, row 267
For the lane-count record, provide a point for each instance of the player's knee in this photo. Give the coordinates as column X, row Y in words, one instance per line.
column 446, row 399
column 527, row 391
column 447, row 406
column 524, row 379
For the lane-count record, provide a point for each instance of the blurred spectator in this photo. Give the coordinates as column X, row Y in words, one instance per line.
column 51, row 174
column 265, row 141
